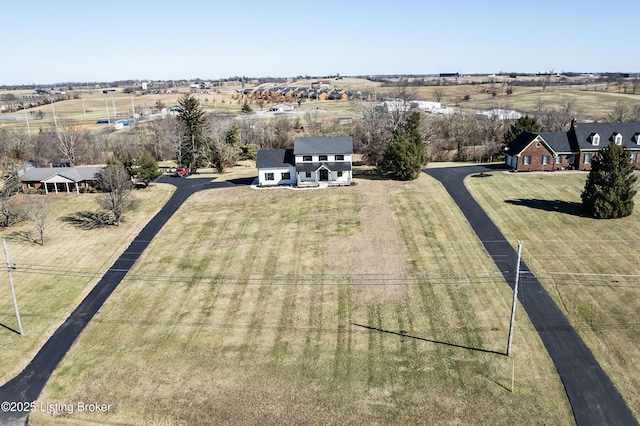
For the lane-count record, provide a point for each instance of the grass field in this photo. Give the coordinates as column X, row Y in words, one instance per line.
column 93, row 104
column 587, row 265
column 51, row 279
column 372, row 304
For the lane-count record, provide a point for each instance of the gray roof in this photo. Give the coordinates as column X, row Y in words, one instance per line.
column 76, row 174
column 323, row 145
column 268, row 158
column 558, row 141
column 578, row 138
column 606, row 130
column 340, row 166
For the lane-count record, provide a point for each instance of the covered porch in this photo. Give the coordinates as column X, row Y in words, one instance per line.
column 59, row 184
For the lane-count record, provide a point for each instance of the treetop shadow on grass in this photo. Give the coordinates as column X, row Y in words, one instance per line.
column 567, row 207
column 403, row 334
column 86, row 220
column 22, row 237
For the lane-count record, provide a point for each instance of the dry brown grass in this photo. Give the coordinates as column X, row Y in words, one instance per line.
column 52, row 279
column 254, row 320
column 587, row 265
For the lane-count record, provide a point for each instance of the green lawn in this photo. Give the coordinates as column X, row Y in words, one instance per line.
column 339, row 306
column 587, row 265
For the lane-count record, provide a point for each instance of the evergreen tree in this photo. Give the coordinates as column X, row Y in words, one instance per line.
column 610, row 187
column 522, row 124
column 194, row 127
column 143, row 167
column 406, row 155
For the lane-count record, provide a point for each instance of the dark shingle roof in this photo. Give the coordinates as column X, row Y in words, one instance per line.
column 339, row 166
column 520, row 142
column 558, row 141
column 323, row 145
column 275, row 158
column 583, row 131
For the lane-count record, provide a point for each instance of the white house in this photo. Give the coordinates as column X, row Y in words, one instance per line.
column 276, row 167
column 283, row 107
column 498, row 114
column 310, row 162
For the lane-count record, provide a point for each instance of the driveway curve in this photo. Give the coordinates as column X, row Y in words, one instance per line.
column 593, row 397
column 27, row 385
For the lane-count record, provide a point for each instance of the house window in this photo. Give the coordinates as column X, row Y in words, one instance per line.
column 268, row 176
column 546, row 159
column 634, row 157
column 306, row 158
column 339, row 157
column 558, row 159
column 286, row 176
column 636, row 137
column 526, row 160
column 617, row 138
column 595, row 139
column 587, row 158
column 323, row 158
column 339, row 174
column 307, row 174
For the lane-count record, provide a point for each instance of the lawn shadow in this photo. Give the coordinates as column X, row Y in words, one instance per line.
column 369, row 174
column 243, row 181
column 567, row 207
column 9, row 328
column 21, row 236
column 454, row 345
column 86, row 220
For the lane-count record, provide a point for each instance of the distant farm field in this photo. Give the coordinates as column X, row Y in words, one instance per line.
column 588, row 266
column 372, row 304
column 87, row 105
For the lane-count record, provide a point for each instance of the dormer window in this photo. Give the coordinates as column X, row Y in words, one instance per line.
column 636, row 138
column 617, row 138
column 595, row 139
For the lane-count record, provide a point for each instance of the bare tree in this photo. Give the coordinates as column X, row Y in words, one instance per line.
column 371, row 136
column 221, row 144
column 68, row 138
column 439, row 93
column 15, row 146
column 117, row 197
column 40, row 214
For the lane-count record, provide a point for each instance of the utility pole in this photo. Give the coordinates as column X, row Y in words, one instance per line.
column 13, row 293
column 515, row 299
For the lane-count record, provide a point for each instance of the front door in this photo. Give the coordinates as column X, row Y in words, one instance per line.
column 324, row 174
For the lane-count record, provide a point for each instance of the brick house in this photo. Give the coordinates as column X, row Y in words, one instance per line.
column 571, row 150
column 59, row 179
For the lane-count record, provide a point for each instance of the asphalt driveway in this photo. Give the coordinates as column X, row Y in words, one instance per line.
column 27, row 385
column 593, row 397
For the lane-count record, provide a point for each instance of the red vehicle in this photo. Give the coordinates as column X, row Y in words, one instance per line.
column 181, row 172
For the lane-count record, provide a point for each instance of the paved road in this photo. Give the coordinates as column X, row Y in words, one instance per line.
column 593, row 397
column 27, row 385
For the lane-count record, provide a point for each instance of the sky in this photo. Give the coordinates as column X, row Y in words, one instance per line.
column 48, row 41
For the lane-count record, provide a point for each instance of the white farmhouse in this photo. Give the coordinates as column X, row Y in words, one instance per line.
column 311, row 161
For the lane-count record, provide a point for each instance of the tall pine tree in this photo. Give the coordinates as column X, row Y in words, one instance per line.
column 610, row 187
column 194, row 127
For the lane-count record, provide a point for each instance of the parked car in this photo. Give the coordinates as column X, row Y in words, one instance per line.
column 181, row 172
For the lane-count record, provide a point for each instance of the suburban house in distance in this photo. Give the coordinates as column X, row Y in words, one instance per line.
column 312, row 161
column 59, row 179
column 572, row 150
